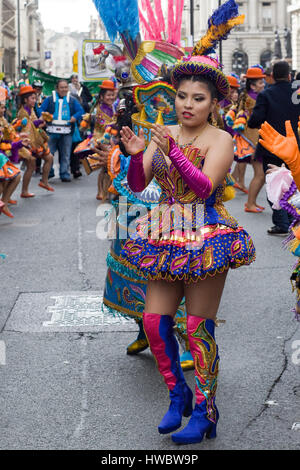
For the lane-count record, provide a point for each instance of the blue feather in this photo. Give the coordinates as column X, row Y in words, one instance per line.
column 223, row 14
column 119, row 17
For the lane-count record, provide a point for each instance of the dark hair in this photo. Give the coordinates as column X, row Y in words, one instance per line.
column 198, row 78
column 23, row 97
column 60, row 81
column 281, row 70
column 251, row 81
column 102, row 93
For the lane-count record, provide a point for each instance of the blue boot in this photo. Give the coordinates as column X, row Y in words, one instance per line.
column 181, row 405
column 198, row 426
column 163, row 344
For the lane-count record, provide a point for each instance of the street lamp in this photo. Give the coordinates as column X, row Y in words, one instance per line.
column 192, row 19
column 192, row 9
column 19, row 40
column 27, row 3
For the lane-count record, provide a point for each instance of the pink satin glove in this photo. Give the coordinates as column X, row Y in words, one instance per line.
column 135, row 175
column 193, row 177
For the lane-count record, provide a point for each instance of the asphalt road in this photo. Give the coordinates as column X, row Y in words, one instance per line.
column 69, row 385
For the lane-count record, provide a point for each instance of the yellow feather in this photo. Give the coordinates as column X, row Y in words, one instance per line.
column 216, row 33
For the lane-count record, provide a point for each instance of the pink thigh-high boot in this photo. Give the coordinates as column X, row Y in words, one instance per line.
column 164, row 347
column 201, row 334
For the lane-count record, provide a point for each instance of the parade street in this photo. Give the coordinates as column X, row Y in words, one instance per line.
column 65, row 379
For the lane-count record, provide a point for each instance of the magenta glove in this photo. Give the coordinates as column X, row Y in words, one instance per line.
column 135, row 175
column 15, row 147
column 193, row 177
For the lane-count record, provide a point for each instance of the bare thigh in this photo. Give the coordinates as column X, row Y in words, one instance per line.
column 164, row 297
column 202, row 298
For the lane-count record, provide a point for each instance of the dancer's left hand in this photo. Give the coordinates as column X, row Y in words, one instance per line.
column 160, row 137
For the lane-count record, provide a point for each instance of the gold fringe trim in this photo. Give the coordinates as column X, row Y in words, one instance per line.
column 120, row 309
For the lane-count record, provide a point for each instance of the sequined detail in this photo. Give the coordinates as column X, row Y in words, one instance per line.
column 184, row 237
column 236, row 247
column 206, row 366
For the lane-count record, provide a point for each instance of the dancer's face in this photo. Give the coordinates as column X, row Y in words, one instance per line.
column 31, row 100
column 109, row 98
column 234, row 94
column 194, row 103
column 258, row 85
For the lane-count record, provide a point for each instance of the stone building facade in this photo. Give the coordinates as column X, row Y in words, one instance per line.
column 61, row 48
column 294, row 11
column 8, row 37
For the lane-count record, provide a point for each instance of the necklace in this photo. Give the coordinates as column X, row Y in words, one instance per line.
column 193, row 140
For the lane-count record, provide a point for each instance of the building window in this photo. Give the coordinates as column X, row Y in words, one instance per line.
column 243, row 10
column 239, row 62
column 38, row 45
column 265, row 59
column 267, row 16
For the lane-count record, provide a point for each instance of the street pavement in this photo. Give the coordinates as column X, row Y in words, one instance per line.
column 66, row 381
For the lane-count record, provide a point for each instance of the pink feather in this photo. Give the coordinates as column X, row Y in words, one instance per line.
column 179, row 10
column 159, row 15
column 170, row 20
column 152, row 20
column 149, row 33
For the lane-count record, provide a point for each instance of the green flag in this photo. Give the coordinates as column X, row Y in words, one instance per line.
column 50, row 82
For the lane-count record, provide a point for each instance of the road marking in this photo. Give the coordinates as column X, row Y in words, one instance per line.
column 78, row 311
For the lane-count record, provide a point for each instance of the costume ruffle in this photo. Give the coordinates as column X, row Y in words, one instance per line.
column 223, row 248
column 185, row 237
column 8, row 172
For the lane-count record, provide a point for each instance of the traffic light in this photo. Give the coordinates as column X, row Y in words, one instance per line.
column 24, row 67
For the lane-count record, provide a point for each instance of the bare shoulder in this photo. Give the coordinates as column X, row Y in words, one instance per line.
column 220, row 135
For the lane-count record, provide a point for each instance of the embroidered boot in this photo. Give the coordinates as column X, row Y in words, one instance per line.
column 141, row 342
column 164, row 347
column 205, row 353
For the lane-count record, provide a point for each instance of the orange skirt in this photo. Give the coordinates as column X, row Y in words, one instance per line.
column 8, row 172
column 243, row 149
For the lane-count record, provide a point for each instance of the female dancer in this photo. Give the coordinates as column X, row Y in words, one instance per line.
column 190, row 163
column 246, row 138
column 10, row 177
column 38, row 141
column 105, row 116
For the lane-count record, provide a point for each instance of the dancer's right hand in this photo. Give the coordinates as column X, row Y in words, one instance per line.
column 133, row 143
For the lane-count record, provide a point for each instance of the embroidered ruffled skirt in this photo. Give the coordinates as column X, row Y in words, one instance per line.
column 184, row 237
column 124, row 289
column 8, row 171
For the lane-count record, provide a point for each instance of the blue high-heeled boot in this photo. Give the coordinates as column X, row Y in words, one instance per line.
column 205, row 353
column 164, row 347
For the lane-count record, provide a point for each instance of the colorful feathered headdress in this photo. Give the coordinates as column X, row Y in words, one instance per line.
column 121, row 20
column 162, row 45
column 222, row 21
column 200, row 63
